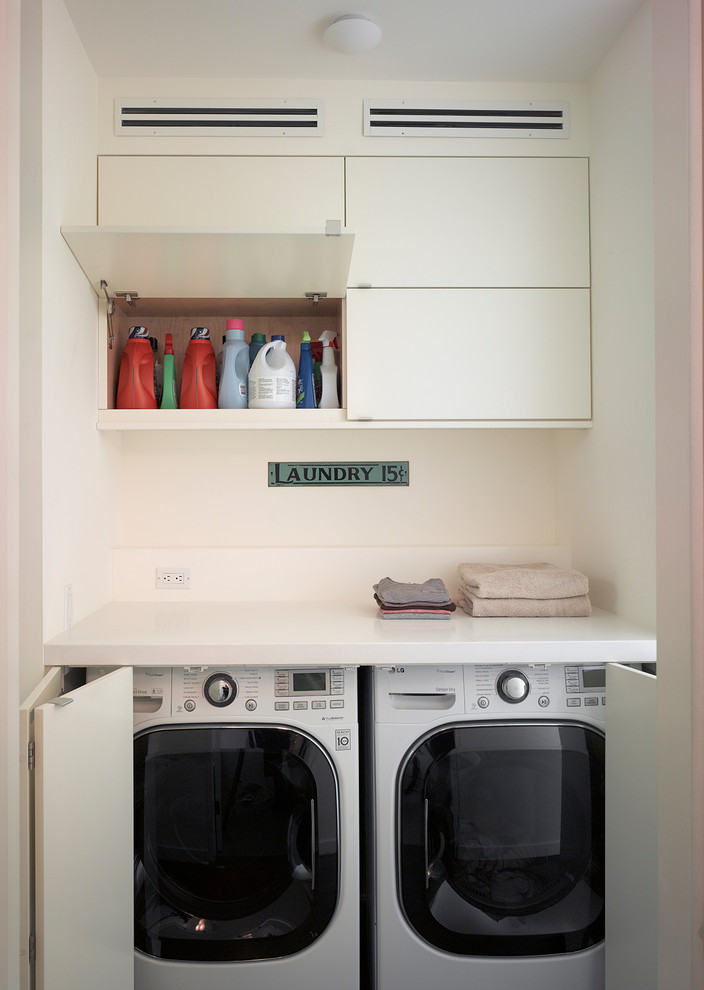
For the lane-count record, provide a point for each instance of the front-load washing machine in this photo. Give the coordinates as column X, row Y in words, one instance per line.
column 488, row 813
column 246, row 797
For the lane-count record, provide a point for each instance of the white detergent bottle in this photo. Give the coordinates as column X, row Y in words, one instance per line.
column 272, row 378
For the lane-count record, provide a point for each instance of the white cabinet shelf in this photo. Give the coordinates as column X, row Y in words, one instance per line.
column 220, row 419
column 295, row 419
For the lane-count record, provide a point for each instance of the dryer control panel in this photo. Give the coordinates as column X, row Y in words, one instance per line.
column 309, row 695
column 500, row 690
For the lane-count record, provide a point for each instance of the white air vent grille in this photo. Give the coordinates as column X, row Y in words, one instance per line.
column 452, row 118
column 250, row 118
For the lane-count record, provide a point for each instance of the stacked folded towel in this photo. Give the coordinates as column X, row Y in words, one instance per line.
column 523, row 590
column 402, row 600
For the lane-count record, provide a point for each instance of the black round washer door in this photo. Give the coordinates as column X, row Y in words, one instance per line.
column 501, row 838
column 236, row 842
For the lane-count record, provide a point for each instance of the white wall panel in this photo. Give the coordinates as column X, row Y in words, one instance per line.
column 239, row 574
column 478, row 487
column 607, row 480
column 79, row 467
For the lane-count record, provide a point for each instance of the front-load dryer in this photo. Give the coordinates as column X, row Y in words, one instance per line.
column 246, row 797
column 488, row 815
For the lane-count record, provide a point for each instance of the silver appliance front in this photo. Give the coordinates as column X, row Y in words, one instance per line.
column 246, row 841
column 490, row 809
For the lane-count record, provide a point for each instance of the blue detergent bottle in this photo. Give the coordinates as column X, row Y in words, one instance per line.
column 305, row 393
column 235, row 368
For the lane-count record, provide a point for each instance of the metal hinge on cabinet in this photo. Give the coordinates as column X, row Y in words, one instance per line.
column 110, row 311
column 32, row 948
column 30, row 756
column 315, row 297
column 129, row 297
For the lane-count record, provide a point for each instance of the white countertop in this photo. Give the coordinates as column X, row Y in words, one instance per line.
column 234, row 633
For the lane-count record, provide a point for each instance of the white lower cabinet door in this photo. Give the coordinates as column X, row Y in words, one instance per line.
column 49, row 687
column 631, row 833
column 83, row 838
column 469, row 354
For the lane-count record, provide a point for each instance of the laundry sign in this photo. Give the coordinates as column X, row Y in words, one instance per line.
column 301, row 474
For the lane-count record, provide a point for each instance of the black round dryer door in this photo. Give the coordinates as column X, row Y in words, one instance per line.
column 501, row 838
column 236, row 842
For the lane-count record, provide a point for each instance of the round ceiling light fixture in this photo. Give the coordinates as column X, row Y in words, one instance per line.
column 352, row 34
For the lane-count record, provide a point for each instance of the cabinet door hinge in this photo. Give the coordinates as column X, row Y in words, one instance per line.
column 315, row 297
column 32, row 949
column 30, row 756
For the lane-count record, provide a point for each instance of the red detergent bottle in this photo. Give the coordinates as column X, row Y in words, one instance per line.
column 136, row 382
column 199, row 388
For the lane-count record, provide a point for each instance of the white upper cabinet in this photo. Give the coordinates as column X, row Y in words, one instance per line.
column 468, row 294
column 259, row 192
column 469, row 355
column 454, row 222
column 466, row 279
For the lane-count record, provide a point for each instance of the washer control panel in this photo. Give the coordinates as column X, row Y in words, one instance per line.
column 309, row 695
column 496, row 690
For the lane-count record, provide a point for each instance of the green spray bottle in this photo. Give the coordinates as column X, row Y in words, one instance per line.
column 168, row 395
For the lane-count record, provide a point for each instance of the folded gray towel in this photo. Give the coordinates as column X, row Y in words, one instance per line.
column 522, row 581
column 578, row 605
column 414, row 615
column 432, row 591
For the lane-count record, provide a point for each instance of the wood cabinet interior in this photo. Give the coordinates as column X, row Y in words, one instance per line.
column 290, row 317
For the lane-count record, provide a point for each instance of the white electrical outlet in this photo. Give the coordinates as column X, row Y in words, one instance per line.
column 173, row 577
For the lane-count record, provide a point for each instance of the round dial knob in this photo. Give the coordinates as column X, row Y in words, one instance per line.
column 513, row 686
column 220, row 690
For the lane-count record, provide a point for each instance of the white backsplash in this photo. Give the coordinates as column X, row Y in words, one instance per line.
column 303, row 573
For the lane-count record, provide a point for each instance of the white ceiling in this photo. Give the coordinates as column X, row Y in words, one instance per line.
column 446, row 40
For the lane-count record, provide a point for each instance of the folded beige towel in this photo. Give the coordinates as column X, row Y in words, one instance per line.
column 522, row 581
column 525, row 607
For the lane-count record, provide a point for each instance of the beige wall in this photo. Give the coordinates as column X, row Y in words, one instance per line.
column 607, row 476
column 595, row 490
column 210, row 489
column 9, row 490
column 472, row 487
column 678, row 186
column 79, row 466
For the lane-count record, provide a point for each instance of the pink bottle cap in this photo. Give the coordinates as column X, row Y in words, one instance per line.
column 234, row 325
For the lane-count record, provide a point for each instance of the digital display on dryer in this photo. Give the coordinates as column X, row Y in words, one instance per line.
column 309, row 682
column 594, row 677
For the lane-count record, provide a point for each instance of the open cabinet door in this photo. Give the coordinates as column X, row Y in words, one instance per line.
column 631, row 833
column 49, row 687
column 83, row 837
